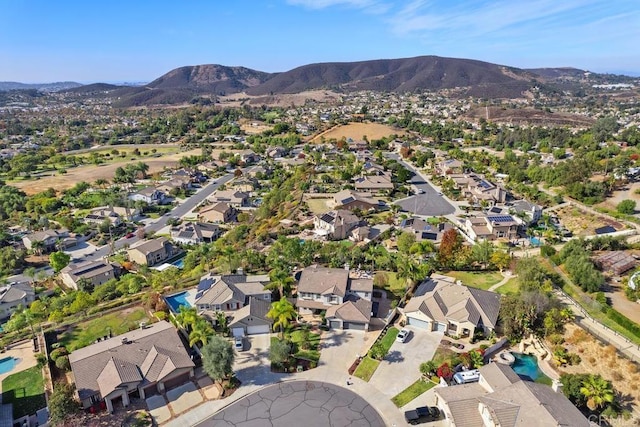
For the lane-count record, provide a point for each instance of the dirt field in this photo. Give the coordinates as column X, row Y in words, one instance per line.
column 626, row 192
column 582, row 223
column 620, row 302
column 596, row 358
column 254, row 127
column 91, row 173
column 319, row 206
column 356, row 131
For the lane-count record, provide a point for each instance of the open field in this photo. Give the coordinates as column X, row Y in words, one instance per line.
column 356, row 131
column 582, row 223
column 90, row 173
column 280, row 100
column 625, row 192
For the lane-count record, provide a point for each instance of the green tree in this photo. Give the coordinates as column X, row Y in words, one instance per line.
column 279, row 352
column 82, row 302
column 428, row 368
column 405, row 241
column 217, row 358
column 59, row 260
column 482, row 252
column 187, row 317
column 597, row 391
column 282, row 312
column 281, row 280
column 62, row 404
column 201, row 332
column 627, row 207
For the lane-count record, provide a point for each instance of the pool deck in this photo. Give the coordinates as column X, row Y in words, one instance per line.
column 23, row 351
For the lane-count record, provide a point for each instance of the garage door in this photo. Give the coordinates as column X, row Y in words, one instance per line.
column 418, row 323
column 151, row 391
column 441, row 327
column 177, row 381
column 335, row 324
column 259, row 329
column 358, row 326
column 237, row 332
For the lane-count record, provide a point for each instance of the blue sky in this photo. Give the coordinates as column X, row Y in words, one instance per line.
column 87, row 41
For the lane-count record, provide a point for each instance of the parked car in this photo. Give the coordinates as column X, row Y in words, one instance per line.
column 238, row 343
column 403, row 335
column 422, row 414
column 129, row 235
column 420, row 191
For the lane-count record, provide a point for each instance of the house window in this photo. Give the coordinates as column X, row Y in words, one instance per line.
column 333, row 299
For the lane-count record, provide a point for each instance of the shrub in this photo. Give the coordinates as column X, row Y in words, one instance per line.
column 57, row 353
column 42, row 359
column 63, row 364
column 555, row 339
column 573, row 359
column 547, row 251
column 444, row 371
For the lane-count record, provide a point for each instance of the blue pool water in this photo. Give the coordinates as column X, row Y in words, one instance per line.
column 176, row 300
column 534, row 241
column 7, row 364
column 526, row 366
column 179, row 263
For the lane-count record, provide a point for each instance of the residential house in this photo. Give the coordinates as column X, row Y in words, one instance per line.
column 150, row 195
column 48, row 240
column 526, row 210
column 450, row 166
column 93, row 272
column 146, row 361
column 367, row 233
column 346, row 302
column 193, row 233
column 502, row 398
column 247, row 156
column 349, row 199
column 98, row 216
column 424, row 230
column 124, row 212
column 492, row 227
column 14, row 295
column 150, row 252
column 444, row 305
column 218, row 213
column 231, row 294
column 374, row 183
column 242, row 184
column 177, row 183
column 335, row 224
column 236, row 199
column 292, row 163
column 478, row 190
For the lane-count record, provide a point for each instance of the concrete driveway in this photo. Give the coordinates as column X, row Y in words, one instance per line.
column 400, row 368
column 252, row 365
column 339, row 350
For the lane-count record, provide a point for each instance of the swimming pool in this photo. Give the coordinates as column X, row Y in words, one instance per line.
column 179, row 263
column 534, row 241
column 7, row 364
column 176, row 300
column 526, row 366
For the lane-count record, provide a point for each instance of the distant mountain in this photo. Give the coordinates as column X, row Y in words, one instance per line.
column 559, row 73
column 44, row 87
column 185, row 83
column 94, row 87
column 401, row 75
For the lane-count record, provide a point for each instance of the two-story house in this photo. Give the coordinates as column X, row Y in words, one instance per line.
column 48, row 241
column 150, row 195
column 346, row 302
column 349, row 199
column 492, row 227
column 94, row 273
column 14, row 295
column 99, row 215
column 335, row 224
column 193, row 233
column 236, row 199
column 218, row 213
column 150, row 252
column 230, row 294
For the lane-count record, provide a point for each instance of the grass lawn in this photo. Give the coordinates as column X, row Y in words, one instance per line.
column 366, row 368
column 477, row 279
column 314, row 343
column 318, row 206
column 85, row 333
column 396, row 285
column 411, row 392
column 25, row 390
column 389, row 338
column 511, row 287
column 443, row 355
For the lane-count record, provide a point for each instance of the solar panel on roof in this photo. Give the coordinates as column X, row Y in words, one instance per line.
column 484, row 184
column 500, row 218
column 495, row 210
column 205, row 284
column 348, row 200
column 199, row 295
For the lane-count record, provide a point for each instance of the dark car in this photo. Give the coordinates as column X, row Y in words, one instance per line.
column 129, row 235
column 422, row 414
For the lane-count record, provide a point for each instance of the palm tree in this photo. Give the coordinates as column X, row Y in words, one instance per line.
column 281, row 280
column 187, row 317
column 100, row 182
column 200, row 332
column 37, row 246
column 598, row 391
column 282, row 312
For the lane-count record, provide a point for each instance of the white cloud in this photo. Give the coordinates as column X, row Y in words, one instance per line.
column 322, row 4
